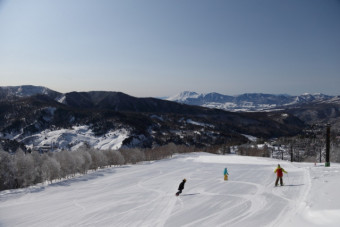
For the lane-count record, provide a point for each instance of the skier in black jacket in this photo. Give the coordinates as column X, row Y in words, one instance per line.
column 181, row 187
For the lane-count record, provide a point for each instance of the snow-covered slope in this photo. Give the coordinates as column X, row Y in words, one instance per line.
column 74, row 138
column 183, row 96
column 143, row 195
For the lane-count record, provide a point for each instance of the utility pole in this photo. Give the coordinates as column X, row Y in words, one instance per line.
column 320, row 153
column 328, row 142
column 291, row 153
column 272, row 151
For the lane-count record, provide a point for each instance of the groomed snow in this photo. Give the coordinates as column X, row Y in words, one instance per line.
column 143, row 195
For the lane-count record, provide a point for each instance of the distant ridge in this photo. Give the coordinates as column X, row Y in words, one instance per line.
column 7, row 92
column 247, row 101
column 74, row 117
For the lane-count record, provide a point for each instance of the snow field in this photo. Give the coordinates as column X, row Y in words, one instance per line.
column 144, row 195
column 76, row 137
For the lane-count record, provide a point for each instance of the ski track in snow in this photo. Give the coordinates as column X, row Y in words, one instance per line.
column 144, row 195
column 302, row 181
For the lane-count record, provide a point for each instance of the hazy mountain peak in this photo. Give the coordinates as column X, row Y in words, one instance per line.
column 183, row 96
column 25, row 91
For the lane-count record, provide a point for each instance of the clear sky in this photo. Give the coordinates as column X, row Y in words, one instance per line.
column 160, row 48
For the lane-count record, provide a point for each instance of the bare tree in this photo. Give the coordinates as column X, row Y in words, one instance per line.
column 114, row 157
column 7, row 171
column 51, row 169
column 25, row 171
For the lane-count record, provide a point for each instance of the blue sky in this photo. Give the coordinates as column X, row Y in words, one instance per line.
column 160, row 48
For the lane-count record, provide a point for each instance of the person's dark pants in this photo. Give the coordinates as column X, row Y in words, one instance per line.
column 277, row 181
column 179, row 192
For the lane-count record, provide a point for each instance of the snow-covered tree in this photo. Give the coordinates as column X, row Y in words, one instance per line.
column 133, row 155
column 24, row 166
column 114, row 157
column 38, row 161
column 50, row 169
column 67, row 163
column 87, row 161
column 98, row 159
column 7, row 171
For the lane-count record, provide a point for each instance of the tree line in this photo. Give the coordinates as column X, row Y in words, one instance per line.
column 22, row 169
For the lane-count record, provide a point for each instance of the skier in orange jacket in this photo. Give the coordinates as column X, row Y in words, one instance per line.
column 279, row 173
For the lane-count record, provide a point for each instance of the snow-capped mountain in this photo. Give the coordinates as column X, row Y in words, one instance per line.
column 30, row 114
column 248, row 101
column 335, row 100
column 309, row 98
column 183, row 96
column 40, row 120
column 193, row 98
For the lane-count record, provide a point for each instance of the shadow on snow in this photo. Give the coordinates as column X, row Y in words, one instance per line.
column 190, row 194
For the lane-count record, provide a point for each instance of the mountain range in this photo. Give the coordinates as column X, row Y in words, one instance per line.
column 313, row 109
column 30, row 115
column 250, row 101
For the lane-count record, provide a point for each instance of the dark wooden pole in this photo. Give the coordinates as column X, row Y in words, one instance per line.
column 320, row 153
column 328, row 142
column 291, row 153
